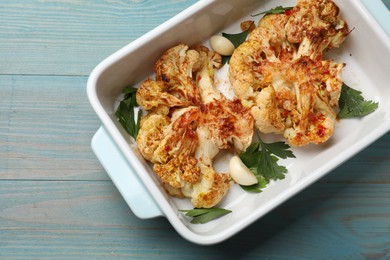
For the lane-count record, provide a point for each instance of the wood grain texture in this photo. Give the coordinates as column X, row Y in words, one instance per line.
column 46, row 128
column 59, row 37
column 57, row 202
column 89, row 219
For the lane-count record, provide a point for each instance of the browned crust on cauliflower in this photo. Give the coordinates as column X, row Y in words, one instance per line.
column 188, row 122
column 278, row 72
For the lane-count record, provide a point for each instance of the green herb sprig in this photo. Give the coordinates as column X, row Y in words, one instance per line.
column 202, row 215
column 277, row 10
column 352, row 104
column 262, row 159
column 125, row 112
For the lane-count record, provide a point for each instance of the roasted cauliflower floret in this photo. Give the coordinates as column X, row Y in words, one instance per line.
column 266, row 42
column 302, row 98
column 272, row 36
column 170, row 143
column 179, row 136
column 225, row 121
column 278, row 72
column 175, row 68
column 150, row 134
column 222, row 123
column 173, row 85
column 152, row 94
column 179, row 169
column 211, row 188
column 316, row 25
column 269, row 111
column 188, row 122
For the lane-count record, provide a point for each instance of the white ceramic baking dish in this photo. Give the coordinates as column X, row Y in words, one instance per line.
column 366, row 53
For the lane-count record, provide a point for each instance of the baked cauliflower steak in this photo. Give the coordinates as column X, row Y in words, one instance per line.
column 279, row 73
column 188, row 122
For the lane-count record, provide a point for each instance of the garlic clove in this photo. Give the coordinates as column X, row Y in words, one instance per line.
column 222, row 45
column 240, row 173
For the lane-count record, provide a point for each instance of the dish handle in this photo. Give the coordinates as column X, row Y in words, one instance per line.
column 123, row 176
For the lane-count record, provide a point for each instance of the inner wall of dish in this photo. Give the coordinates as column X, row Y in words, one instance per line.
column 362, row 52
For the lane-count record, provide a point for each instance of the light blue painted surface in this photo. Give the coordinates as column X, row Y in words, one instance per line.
column 381, row 14
column 56, row 200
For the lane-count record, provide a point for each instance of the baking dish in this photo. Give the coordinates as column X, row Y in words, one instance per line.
column 366, row 53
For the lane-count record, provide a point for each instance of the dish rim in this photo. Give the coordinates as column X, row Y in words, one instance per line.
column 160, row 198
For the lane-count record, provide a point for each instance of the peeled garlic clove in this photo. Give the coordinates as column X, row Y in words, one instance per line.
column 222, row 45
column 240, row 173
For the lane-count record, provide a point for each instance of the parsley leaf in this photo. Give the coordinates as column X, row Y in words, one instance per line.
column 352, row 104
column 225, row 59
column 202, row 215
column 262, row 159
column 251, row 157
column 269, row 167
column 125, row 112
column 280, row 149
column 237, row 39
column 277, row 10
column 129, row 96
column 258, row 187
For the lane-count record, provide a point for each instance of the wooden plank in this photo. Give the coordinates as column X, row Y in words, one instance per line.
column 72, row 37
column 46, row 126
column 46, row 219
column 64, row 219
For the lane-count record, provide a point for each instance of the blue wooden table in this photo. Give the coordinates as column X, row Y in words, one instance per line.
column 56, row 200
